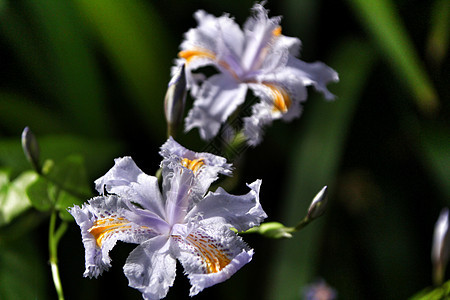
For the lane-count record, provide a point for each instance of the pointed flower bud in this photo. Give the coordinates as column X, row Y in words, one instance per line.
column 319, row 204
column 175, row 100
column 441, row 246
column 30, row 147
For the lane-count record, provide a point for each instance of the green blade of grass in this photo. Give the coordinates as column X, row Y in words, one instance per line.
column 76, row 80
column 135, row 43
column 315, row 159
column 384, row 24
column 437, row 44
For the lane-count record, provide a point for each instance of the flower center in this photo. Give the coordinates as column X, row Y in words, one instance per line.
column 281, row 99
column 193, row 165
column 103, row 228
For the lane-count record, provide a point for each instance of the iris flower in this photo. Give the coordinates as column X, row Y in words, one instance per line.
column 180, row 223
column 258, row 57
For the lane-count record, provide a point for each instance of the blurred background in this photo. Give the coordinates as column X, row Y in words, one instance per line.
column 89, row 77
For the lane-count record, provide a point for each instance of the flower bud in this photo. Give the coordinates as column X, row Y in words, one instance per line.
column 319, row 204
column 275, row 230
column 441, row 246
column 175, row 99
column 30, row 147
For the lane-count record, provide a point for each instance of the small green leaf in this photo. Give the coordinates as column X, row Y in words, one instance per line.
column 62, row 185
column 4, row 177
column 13, row 197
column 98, row 153
column 70, row 176
column 64, row 201
column 38, row 194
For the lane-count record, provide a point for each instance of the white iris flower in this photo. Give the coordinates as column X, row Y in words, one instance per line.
column 257, row 57
column 182, row 222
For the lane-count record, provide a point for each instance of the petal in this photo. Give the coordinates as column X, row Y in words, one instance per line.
column 129, row 182
column 205, row 166
column 259, row 34
column 278, row 53
column 102, row 222
column 269, row 109
column 441, row 239
column 241, row 212
column 253, row 126
column 316, row 74
column 210, row 254
column 171, row 148
column 220, row 95
column 150, row 268
column 215, row 40
column 179, row 198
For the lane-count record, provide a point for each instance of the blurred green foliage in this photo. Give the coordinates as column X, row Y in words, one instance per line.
column 89, row 77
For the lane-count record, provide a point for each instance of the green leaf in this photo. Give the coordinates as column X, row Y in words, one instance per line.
column 69, row 175
column 66, row 200
column 384, row 24
column 70, row 184
column 62, row 185
column 38, row 194
column 314, row 162
column 4, row 177
column 76, row 80
column 13, row 197
column 135, row 42
column 98, row 153
column 437, row 293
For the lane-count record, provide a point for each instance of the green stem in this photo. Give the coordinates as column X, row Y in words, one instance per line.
column 302, row 224
column 53, row 240
column 438, row 274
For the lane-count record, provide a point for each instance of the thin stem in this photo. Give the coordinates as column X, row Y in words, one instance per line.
column 53, row 239
column 302, row 224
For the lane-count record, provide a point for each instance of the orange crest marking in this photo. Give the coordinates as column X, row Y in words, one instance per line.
column 277, row 31
column 209, row 252
column 105, row 227
column 188, row 55
column 193, row 165
column 281, row 99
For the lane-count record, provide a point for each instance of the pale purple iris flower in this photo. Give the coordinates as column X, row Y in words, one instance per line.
column 257, row 57
column 182, row 222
